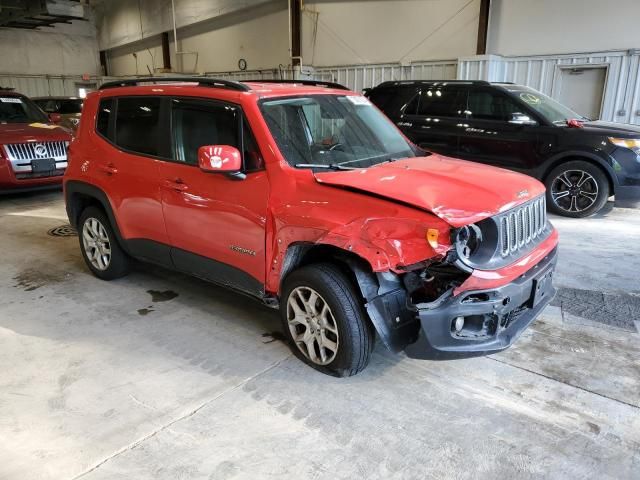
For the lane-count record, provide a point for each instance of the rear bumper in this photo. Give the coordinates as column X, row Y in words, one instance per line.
column 494, row 318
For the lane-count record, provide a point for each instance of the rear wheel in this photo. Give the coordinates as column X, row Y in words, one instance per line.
column 577, row 189
column 100, row 248
column 324, row 320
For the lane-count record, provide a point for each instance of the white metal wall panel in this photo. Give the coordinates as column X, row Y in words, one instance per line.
column 359, row 77
column 33, row 86
column 621, row 99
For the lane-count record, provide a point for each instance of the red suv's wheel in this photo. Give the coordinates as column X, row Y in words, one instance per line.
column 324, row 320
column 99, row 246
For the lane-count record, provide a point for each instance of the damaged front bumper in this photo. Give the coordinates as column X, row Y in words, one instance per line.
column 482, row 322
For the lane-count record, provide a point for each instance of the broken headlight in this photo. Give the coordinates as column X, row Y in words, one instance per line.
column 475, row 244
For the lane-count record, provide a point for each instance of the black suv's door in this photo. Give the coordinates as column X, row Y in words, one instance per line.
column 432, row 119
column 491, row 135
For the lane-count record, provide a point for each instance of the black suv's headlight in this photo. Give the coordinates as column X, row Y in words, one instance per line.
column 630, row 143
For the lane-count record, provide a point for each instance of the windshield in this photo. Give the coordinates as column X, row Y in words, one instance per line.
column 15, row 109
column 547, row 107
column 61, row 106
column 333, row 131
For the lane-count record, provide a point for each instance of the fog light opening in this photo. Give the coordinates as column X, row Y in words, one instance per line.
column 458, row 324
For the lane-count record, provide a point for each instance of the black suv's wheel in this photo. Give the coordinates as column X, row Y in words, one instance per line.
column 323, row 318
column 576, row 189
column 99, row 245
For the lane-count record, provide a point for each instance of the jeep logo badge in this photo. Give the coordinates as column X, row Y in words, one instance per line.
column 40, row 150
column 522, row 193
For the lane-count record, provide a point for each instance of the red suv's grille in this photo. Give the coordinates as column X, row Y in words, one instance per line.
column 522, row 225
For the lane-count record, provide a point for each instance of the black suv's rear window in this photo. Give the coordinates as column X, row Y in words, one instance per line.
column 438, row 101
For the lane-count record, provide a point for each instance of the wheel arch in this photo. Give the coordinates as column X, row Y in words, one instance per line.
column 384, row 295
column 585, row 157
column 81, row 195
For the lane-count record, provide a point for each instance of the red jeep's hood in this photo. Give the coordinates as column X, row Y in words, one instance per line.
column 23, row 132
column 457, row 191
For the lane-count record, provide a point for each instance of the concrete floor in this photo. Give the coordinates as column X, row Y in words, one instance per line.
column 126, row 380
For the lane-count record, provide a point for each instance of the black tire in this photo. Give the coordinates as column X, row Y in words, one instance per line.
column 577, row 201
column 118, row 265
column 355, row 333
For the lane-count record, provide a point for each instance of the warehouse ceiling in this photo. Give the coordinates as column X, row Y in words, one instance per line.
column 34, row 14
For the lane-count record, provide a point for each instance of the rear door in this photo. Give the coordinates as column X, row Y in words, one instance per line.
column 432, row 119
column 126, row 166
column 216, row 223
column 488, row 137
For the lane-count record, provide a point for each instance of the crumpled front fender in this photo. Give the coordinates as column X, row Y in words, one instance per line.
column 386, row 244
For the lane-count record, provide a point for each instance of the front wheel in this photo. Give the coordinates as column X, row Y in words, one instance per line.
column 576, row 189
column 324, row 320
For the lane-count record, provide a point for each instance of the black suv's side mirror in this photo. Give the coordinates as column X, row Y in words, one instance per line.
column 521, row 119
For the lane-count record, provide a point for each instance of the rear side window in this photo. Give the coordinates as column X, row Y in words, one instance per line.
column 438, row 101
column 392, row 101
column 489, row 105
column 103, row 119
column 71, row 106
column 138, row 128
column 382, row 97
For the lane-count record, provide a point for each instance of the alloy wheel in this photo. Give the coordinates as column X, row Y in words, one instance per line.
column 574, row 191
column 96, row 243
column 312, row 325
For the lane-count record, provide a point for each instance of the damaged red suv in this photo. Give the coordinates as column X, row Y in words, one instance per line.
column 305, row 196
column 33, row 151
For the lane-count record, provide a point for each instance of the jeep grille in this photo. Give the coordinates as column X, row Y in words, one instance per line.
column 522, row 225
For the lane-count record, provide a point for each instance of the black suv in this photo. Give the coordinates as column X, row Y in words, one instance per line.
column 581, row 162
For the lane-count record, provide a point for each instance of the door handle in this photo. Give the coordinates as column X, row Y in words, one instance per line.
column 109, row 169
column 176, row 184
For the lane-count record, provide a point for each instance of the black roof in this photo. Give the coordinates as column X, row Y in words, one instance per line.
column 413, row 83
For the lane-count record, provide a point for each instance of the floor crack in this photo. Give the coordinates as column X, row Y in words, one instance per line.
column 166, row 426
column 565, row 383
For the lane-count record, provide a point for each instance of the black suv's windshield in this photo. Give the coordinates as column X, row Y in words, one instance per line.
column 18, row 109
column 333, row 131
column 546, row 106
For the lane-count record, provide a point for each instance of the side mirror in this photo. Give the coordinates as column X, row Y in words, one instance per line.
column 219, row 159
column 55, row 118
column 522, row 119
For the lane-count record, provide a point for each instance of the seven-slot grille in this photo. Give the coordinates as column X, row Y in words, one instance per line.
column 522, row 225
column 21, row 154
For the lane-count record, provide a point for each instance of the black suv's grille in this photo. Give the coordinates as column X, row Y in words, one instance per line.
column 522, row 225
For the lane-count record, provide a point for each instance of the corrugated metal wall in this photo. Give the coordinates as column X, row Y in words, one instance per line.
column 43, row 85
column 621, row 100
column 359, row 77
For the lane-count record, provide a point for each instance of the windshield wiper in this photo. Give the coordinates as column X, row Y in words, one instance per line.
column 331, row 166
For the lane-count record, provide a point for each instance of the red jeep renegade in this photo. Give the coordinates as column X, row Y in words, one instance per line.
column 306, row 197
column 33, row 152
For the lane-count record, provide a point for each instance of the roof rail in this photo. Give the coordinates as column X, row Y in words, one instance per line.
column 431, row 82
column 202, row 81
column 313, row 83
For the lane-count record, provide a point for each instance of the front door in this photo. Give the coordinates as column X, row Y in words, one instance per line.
column 216, row 223
column 433, row 119
column 488, row 137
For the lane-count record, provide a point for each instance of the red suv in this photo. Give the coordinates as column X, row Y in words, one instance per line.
column 306, row 197
column 33, row 151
